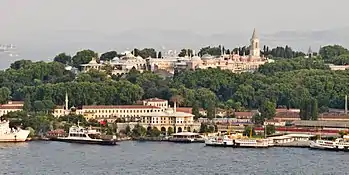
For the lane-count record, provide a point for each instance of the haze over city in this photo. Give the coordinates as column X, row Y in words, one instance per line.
column 41, row 29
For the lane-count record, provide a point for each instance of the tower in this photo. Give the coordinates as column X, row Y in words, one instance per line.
column 254, row 47
column 66, row 102
column 310, row 53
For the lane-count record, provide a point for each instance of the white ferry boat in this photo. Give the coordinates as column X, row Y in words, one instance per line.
column 252, row 143
column 337, row 145
column 8, row 134
column 78, row 134
column 237, row 140
column 186, row 137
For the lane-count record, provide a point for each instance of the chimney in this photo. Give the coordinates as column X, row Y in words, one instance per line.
column 346, row 105
column 174, row 107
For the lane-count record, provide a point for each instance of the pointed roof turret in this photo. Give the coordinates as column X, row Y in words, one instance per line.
column 254, row 35
column 309, row 50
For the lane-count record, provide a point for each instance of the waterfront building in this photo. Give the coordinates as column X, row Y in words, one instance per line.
column 11, row 106
column 170, row 119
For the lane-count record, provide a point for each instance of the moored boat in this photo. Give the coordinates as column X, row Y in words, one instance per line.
column 186, row 137
column 8, row 134
column 78, row 134
column 338, row 145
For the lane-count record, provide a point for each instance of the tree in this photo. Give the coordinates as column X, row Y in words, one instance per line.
column 249, row 131
column 159, row 55
column 177, row 99
column 170, row 131
column 267, row 109
column 107, row 56
column 270, row 129
column 63, row 58
column 185, row 52
column 4, row 95
column 139, row 131
column 331, row 51
column 27, row 106
column 211, row 110
column 83, row 57
column 128, row 131
column 314, row 110
column 258, row 119
column 20, row 64
column 196, row 110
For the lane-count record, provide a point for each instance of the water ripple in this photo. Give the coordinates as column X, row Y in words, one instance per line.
column 164, row 158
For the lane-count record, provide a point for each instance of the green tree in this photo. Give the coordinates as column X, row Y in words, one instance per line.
column 170, row 131
column 128, row 131
column 268, row 110
column 270, row 129
column 27, row 106
column 314, row 110
column 331, row 51
column 63, row 58
column 4, row 95
column 139, row 131
column 185, row 52
column 248, row 131
column 83, row 57
column 107, row 56
column 258, row 119
column 211, row 110
column 196, row 110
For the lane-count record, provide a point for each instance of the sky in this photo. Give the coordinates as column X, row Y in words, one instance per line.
column 48, row 25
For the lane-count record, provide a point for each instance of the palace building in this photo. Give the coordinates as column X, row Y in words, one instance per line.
column 233, row 61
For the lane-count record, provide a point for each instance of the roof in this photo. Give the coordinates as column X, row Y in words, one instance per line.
column 169, row 113
column 337, row 124
column 254, row 35
column 155, row 100
column 243, row 114
column 300, row 135
column 119, row 107
column 10, row 107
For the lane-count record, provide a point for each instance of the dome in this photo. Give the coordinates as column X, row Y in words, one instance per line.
column 128, row 56
column 207, row 57
column 196, row 58
column 139, row 57
column 93, row 61
column 115, row 59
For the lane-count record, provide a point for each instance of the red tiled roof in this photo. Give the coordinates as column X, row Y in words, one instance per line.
column 10, row 107
column 155, row 100
column 119, row 107
column 237, row 114
column 15, row 102
column 184, row 109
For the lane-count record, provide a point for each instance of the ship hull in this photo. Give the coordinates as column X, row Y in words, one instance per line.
column 20, row 136
column 95, row 142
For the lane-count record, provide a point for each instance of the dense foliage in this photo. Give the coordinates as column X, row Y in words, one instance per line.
column 295, row 83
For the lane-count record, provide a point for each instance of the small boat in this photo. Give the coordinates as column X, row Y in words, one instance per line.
column 78, row 134
column 186, row 137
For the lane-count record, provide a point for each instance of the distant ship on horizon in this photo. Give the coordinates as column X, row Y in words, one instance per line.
column 10, row 49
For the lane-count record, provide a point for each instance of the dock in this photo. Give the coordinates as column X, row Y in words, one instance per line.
column 296, row 144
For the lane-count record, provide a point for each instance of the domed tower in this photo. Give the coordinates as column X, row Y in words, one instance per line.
column 254, row 47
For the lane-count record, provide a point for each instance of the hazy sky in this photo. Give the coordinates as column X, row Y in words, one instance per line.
column 22, row 17
column 46, row 27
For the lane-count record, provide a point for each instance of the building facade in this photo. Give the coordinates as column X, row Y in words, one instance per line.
column 11, row 106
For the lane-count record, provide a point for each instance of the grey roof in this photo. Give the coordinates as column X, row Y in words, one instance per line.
column 310, row 123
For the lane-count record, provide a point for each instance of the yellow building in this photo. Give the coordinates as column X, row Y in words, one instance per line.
column 170, row 119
